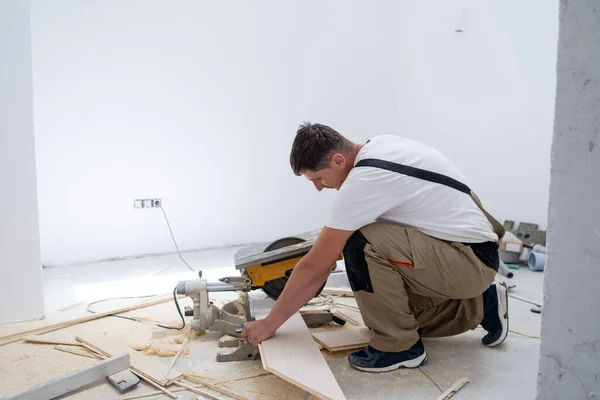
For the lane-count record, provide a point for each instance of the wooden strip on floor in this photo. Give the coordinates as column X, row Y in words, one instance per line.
column 140, row 363
column 339, row 291
column 15, row 337
column 456, row 386
column 294, row 356
column 50, row 339
column 343, row 339
column 77, row 350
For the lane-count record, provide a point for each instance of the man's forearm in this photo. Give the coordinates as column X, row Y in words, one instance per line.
column 299, row 289
column 309, row 274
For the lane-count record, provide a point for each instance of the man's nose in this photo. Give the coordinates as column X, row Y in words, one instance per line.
column 319, row 186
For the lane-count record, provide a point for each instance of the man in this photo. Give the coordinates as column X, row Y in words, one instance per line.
column 420, row 252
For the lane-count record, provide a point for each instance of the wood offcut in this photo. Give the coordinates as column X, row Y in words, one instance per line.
column 343, row 339
column 76, row 350
column 48, row 339
column 197, row 391
column 456, row 386
column 187, row 340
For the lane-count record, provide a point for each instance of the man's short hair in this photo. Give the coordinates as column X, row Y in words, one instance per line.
column 313, row 145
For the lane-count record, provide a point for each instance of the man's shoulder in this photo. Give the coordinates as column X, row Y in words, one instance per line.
column 394, row 140
column 394, row 148
column 405, row 151
column 384, row 137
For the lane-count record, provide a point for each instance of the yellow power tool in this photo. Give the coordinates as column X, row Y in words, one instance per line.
column 269, row 266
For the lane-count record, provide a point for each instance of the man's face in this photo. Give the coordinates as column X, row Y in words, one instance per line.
column 329, row 178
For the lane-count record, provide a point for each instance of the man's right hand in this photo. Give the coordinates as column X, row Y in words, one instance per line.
column 256, row 331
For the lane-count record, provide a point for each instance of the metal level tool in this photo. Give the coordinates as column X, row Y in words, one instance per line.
column 68, row 383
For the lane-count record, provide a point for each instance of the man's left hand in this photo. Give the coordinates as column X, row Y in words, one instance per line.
column 257, row 331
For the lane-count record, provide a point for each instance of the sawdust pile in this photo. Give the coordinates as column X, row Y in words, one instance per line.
column 23, row 365
column 164, row 347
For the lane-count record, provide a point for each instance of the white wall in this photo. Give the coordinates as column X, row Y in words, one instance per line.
column 21, row 296
column 198, row 102
column 484, row 96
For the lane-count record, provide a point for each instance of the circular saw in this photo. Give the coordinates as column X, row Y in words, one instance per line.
column 269, row 267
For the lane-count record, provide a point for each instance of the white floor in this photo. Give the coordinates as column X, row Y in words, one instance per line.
column 506, row 372
column 150, row 275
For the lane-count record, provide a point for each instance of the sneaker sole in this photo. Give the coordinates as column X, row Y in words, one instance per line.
column 502, row 294
column 414, row 363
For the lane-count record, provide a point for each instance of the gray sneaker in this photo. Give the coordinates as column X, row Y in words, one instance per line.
column 373, row 360
column 495, row 315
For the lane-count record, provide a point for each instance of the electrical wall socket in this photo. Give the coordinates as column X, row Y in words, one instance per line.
column 147, row 203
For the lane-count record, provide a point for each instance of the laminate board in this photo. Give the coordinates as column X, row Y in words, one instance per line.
column 343, row 339
column 294, row 356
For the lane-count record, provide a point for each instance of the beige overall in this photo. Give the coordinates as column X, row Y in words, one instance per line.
column 419, row 285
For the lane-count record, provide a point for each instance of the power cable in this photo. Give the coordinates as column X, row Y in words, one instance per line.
column 173, row 237
column 139, row 320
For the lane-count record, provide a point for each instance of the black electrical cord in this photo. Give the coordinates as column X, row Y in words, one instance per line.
column 173, row 237
column 139, row 320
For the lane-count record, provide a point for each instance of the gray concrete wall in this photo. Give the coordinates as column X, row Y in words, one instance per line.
column 570, row 350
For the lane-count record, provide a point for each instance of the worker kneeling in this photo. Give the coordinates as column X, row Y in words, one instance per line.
column 420, row 251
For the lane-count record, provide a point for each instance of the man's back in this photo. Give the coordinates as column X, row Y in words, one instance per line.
column 372, row 194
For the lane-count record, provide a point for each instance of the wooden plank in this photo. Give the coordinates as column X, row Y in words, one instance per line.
column 71, row 306
column 456, row 386
column 95, row 352
column 49, row 339
column 243, row 378
column 346, row 318
column 197, row 391
column 294, row 356
column 193, row 378
column 15, row 337
column 149, row 394
column 76, row 350
column 349, row 307
column 339, row 291
column 74, row 380
column 343, row 339
column 156, row 385
column 431, row 379
column 198, row 379
column 166, row 373
column 141, row 364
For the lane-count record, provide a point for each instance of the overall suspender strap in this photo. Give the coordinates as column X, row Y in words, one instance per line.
column 435, row 178
column 415, row 173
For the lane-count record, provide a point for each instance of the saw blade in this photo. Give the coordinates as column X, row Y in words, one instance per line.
column 275, row 287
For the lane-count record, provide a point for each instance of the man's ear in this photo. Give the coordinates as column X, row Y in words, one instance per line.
column 338, row 161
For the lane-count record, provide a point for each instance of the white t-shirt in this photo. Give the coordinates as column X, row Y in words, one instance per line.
column 372, row 194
